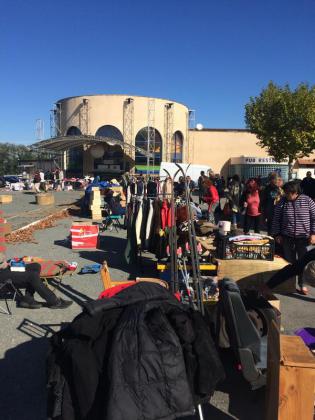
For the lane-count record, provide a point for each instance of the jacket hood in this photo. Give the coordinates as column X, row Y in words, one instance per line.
column 140, row 292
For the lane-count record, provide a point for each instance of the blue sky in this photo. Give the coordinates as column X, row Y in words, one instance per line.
column 211, row 55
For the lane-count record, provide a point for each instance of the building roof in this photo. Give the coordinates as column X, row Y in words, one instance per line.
column 306, row 161
column 121, row 95
column 63, row 143
column 241, row 130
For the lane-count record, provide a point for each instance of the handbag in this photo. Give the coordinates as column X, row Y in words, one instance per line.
column 227, row 211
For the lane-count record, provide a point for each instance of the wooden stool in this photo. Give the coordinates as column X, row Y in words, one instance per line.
column 108, row 282
column 45, row 199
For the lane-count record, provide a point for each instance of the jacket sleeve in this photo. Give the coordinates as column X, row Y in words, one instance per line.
column 312, row 216
column 263, row 197
column 276, row 225
column 243, row 199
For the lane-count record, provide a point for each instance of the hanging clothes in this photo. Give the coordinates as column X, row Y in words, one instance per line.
column 140, row 187
column 128, row 195
column 138, row 225
column 130, row 253
column 152, row 188
column 145, row 214
column 149, row 225
column 166, row 216
column 138, row 355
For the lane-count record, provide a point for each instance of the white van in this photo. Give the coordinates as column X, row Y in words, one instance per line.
column 193, row 170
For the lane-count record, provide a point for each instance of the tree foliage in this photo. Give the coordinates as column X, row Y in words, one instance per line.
column 283, row 120
column 11, row 154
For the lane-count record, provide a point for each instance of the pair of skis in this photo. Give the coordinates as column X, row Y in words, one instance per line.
column 173, row 237
column 192, row 241
column 193, row 250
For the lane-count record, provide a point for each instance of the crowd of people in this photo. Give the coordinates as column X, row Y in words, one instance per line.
column 53, row 179
column 285, row 211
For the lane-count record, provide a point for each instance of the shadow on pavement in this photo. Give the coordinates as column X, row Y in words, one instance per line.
column 70, row 292
column 63, row 242
column 299, row 297
column 22, row 385
column 244, row 403
column 112, row 250
column 35, row 330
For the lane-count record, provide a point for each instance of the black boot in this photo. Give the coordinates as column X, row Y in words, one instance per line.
column 61, row 304
column 28, row 302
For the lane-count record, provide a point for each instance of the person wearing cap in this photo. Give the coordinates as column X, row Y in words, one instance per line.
column 30, row 281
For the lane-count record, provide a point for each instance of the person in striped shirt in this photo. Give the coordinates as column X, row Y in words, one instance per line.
column 293, row 225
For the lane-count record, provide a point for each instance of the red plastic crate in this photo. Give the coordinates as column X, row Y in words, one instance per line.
column 84, row 236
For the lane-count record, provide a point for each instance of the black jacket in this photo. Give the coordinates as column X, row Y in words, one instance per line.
column 140, row 355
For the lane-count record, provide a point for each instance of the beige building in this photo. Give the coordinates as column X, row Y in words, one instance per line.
column 132, row 122
column 215, row 147
column 105, row 134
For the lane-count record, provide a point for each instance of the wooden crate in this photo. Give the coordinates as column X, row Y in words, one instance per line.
column 250, row 274
column 45, row 199
column 290, row 378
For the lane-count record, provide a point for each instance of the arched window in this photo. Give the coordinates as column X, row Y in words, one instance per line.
column 177, row 147
column 75, row 154
column 73, row 131
column 110, row 131
column 142, row 141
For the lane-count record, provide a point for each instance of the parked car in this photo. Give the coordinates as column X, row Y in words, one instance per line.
column 11, row 179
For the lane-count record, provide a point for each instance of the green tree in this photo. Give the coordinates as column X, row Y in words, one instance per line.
column 283, row 121
column 11, row 154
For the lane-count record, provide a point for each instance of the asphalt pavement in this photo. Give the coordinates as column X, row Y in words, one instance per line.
column 24, row 210
column 24, row 335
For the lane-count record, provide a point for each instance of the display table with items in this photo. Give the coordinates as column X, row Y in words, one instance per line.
column 254, row 274
column 52, row 269
column 249, row 247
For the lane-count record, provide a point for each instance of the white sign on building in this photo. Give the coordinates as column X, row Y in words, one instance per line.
column 254, row 160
